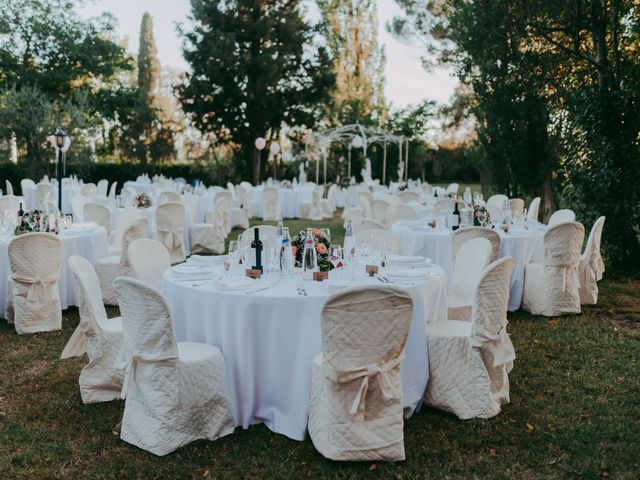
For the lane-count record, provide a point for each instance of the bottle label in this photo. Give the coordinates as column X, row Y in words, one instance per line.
column 453, row 220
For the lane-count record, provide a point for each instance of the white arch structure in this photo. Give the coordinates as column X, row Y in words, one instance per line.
column 360, row 136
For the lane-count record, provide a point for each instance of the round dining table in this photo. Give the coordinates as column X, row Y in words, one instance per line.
column 269, row 332
column 525, row 246
column 86, row 240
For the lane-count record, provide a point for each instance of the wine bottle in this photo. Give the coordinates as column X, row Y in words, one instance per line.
column 256, row 251
column 309, row 258
column 20, row 214
column 454, row 218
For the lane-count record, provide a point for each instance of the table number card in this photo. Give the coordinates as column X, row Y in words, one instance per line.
column 253, row 273
column 371, row 270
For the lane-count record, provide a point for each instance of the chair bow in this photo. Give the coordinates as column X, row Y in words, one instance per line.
column 569, row 273
column 499, row 344
column 365, row 373
column 172, row 238
column 37, row 286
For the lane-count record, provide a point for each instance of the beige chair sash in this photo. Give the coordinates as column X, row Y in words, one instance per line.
column 498, row 344
column 38, row 290
column 172, row 239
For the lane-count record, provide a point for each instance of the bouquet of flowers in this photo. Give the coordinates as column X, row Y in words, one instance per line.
column 480, row 215
column 31, row 222
column 142, row 201
column 322, row 248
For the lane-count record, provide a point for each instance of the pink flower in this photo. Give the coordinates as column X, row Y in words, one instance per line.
column 321, row 249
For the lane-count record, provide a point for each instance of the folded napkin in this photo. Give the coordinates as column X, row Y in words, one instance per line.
column 236, row 283
column 412, row 274
column 207, row 259
column 191, row 272
column 408, row 260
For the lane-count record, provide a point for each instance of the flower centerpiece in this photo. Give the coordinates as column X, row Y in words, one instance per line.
column 480, row 215
column 142, row 201
column 321, row 243
column 31, row 222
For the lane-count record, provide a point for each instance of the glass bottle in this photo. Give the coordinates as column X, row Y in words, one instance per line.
column 309, row 257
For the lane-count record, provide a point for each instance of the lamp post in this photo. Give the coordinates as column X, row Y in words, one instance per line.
column 260, row 143
column 62, row 143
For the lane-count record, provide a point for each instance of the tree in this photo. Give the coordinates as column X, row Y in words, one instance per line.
column 148, row 63
column 254, row 67
column 351, row 31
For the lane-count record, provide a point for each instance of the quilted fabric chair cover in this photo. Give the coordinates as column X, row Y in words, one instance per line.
column 148, row 260
column 175, row 392
column 44, row 196
column 314, row 210
column 168, row 197
column 356, row 392
column 34, row 260
column 96, row 212
column 591, row 265
column 365, row 199
column 125, row 218
column 191, row 202
column 497, row 200
column 404, row 212
column 379, row 239
column 96, row 335
column 552, row 287
column 463, row 235
column 453, row 188
column 9, row 202
column 89, row 190
column 408, row 197
column 469, row 362
column 471, row 260
column 562, row 216
column 209, row 237
column 25, row 184
column 221, row 213
column 379, row 211
column 112, row 190
column 442, row 207
column 170, row 230
column 245, row 201
column 516, row 205
column 112, row 266
column 534, row 207
column 9, row 187
column 271, row 200
column 77, row 207
column 102, row 187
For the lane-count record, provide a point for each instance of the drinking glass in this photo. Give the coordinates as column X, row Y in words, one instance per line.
column 327, row 234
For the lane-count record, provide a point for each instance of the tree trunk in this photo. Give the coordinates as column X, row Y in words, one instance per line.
column 548, row 203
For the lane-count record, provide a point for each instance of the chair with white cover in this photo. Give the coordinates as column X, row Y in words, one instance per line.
column 329, row 203
column 125, row 218
column 89, row 190
column 469, row 362
column 97, row 335
column 247, row 186
column 551, row 288
column 516, row 205
column 355, row 412
column 379, row 211
column 379, row 239
column 26, row 184
column 98, row 213
column 9, row 202
column 33, row 298
column 176, row 392
column 102, row 188
column 168, row 197
column 245, row 200
column 271, row 204
column 170, row 230
column 214, row 190
column 313, row 210
column 192, row 203
column 238, row 207
column 369, row 224
column 353, row 215
column 591, row 265
column 497, row 200
column 268, row 236
column 562, row 216
column 209, row 237
column 112, row 191
column 472, row 257
column 112, row 266
column 452, row 189
column 532, row 212
column 44, row 196
column 462, row 235
column 442, row 207
column 407, row 197
column 365, row 199
column 77, row 207
column 401, row 212
column 149, row 259
column 9, row 187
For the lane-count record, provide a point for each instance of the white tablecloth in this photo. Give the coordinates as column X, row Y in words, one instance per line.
column 90, row 244
column 291, row 201
column 524, row 246
column 68, row 192
column 269, row 340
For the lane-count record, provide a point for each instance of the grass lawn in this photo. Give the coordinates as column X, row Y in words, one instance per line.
column 574, row 413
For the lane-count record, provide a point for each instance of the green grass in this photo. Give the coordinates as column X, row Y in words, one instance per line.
column 574, row 413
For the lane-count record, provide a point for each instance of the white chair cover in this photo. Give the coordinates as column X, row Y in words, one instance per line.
column 9, row 187
column 552, row 287
column 562, row 216
column 356, row 392
column 98, row 213
column 469, row 362
column 168, row 197
column 9, row 202
column 25, row 184
column 89, row 190
column 77, row 207
column 402, row 212
column 112, row 190
column 313, row 210
column 112, row 266
column 379, row 211
column 170, row 230
column 149, row 259
column 407, row 197
column 471, row 259
column 329, row 203
column 534, row 207
column 370, row 224
column 463, row 235
column 271, row 208
column 591, row 265
column 497, row 200
column 175, row 392
column 125, row 218
column 365, row 199
column 34, row 259
column 221, row 213
column 245, row 201
column 379, row 239
column 453, row 188
column 268, row 236
column 516, row 205
column 96, row 335
column 209, row 237
column 102, row 188
column 44, row 197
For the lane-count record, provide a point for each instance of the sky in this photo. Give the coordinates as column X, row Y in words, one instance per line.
column 407, row 83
